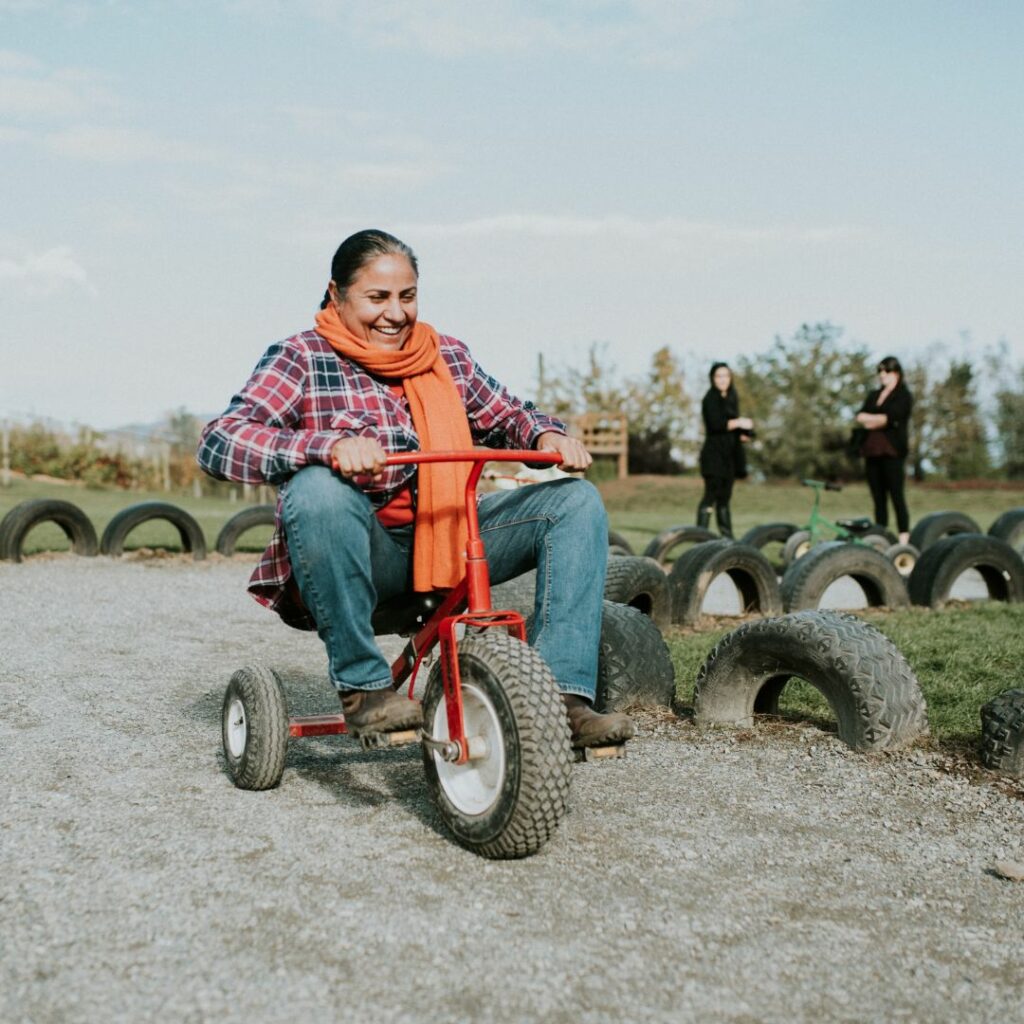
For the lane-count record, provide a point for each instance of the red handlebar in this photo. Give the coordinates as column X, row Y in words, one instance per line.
column 475, row 455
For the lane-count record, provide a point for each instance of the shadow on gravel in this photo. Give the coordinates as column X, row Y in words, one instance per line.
column 338, row 764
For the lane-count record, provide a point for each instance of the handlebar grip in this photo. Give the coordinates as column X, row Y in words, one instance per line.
column 833, row 487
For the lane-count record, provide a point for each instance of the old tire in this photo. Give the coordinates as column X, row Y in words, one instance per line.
column 936, row 525
column 114, row 536
column 798, row 543
column 1002, row 734
column 871, row 689
column 807, row 579
column 943, row 562
column 904, row 557
column 634, row 666
column 516, row 594
column 1010, row 527
column 509, row 802
column 663, row 547
column 26, row 515
column 254, row 728
column 762, row 536
column 618, row 545
column 749, row 570
column 239, row 523
column 640, row 583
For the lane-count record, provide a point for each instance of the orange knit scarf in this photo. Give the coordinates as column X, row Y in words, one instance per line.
column 439, row 416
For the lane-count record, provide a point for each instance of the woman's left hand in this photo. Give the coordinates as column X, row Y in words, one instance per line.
column 575, row 457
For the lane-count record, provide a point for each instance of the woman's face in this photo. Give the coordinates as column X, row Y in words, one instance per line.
column 888, row 378
column 722, row 378
column 379, row 306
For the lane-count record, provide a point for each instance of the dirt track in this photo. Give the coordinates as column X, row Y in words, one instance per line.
column 775, row 877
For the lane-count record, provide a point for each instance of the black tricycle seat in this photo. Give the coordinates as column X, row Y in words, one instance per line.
column 859, row 525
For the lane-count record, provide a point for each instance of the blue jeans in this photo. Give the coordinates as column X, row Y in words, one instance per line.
column 345, row 562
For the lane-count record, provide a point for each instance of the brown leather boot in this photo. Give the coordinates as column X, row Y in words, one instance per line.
column 591, row 729
column 370, row 711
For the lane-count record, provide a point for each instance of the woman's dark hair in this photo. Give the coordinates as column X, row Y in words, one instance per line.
column 715, row 367
column 891, row 365
column 359, row 249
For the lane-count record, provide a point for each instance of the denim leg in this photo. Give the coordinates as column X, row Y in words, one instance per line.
column 561, row 528
column 344, row 561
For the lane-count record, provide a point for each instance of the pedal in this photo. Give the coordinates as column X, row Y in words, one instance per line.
column 386, row 740
column 613, row 750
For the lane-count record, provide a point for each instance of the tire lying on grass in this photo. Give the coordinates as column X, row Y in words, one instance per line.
column 695, row 570
column 867, row 682
column 1010, row 527
column 904, row 557
column 26, row 515
column 808, row 578
column 946, row 560
column 618, row 545
column 640, row 583
column 936, row 525
column 769, row 533
column 239, row 523
column 634, row 666
column 665, row 543
column 1002, row 733
column 114, row 536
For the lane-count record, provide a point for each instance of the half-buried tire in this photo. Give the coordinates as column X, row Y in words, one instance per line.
column 1010, row 527
column 114, row 536
column 26, row 515
column 640, row 583
column 618, row 545
column 1002, row 733
column 634, row 666
column 808, row 578
column 868, row 684
column 695, row 570
column 936, row 525
column 946, row 560
column 239, row 523
column 770, row 533
column 665, row 543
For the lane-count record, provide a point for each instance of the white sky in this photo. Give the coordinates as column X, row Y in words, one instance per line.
column 175, row 177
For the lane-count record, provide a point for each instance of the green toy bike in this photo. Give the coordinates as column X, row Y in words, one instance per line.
column 853, row 531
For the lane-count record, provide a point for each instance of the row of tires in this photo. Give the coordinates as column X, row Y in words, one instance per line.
column 679, row 596
column 77, row 527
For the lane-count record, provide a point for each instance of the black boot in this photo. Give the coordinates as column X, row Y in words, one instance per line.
column 704, row 516
column 724, row 517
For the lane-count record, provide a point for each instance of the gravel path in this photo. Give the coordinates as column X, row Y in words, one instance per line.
column 770, row 876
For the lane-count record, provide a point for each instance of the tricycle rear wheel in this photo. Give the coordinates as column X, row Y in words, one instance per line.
column 508, row 802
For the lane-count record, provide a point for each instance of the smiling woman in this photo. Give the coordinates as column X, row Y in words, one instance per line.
column 319, row 416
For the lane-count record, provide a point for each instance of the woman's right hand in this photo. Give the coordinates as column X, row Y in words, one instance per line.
column 358, row 456
column 741, row 423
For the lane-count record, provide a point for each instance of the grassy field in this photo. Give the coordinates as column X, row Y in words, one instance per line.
column 962, row 656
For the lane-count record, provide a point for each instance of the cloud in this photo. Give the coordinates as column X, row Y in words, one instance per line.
column 124, row 145
column 32, row 92
column 668, row 229
column 47, row 272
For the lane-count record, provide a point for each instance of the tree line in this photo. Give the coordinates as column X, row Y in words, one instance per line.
column 803, row 392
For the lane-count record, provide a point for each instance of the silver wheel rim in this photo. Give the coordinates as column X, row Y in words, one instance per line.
column 237, row 730
column 472, row 787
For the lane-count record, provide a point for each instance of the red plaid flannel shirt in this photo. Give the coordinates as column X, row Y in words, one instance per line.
column 302, row 397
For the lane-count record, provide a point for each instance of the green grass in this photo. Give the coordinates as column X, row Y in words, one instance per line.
column 962, row 657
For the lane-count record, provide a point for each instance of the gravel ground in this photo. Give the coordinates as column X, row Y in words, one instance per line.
column 766, row 876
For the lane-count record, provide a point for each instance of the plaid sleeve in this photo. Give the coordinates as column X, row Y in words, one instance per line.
column 260, row 438
column 497, row 418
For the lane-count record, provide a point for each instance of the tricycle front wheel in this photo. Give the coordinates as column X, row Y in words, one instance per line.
column 508, row 799
column 254, row 728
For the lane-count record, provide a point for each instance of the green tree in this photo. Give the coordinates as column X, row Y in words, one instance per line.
column 960, row 447
column 660, row 412
column 1009, row 425
column 802, row 395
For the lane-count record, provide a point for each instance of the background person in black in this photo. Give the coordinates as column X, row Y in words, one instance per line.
column 885, row 416
column 722, row 459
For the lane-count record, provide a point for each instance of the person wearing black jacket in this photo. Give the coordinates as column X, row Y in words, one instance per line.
column 722, row 459
column 885, row 418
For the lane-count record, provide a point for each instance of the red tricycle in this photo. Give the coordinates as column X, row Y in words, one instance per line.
column 496, row 744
